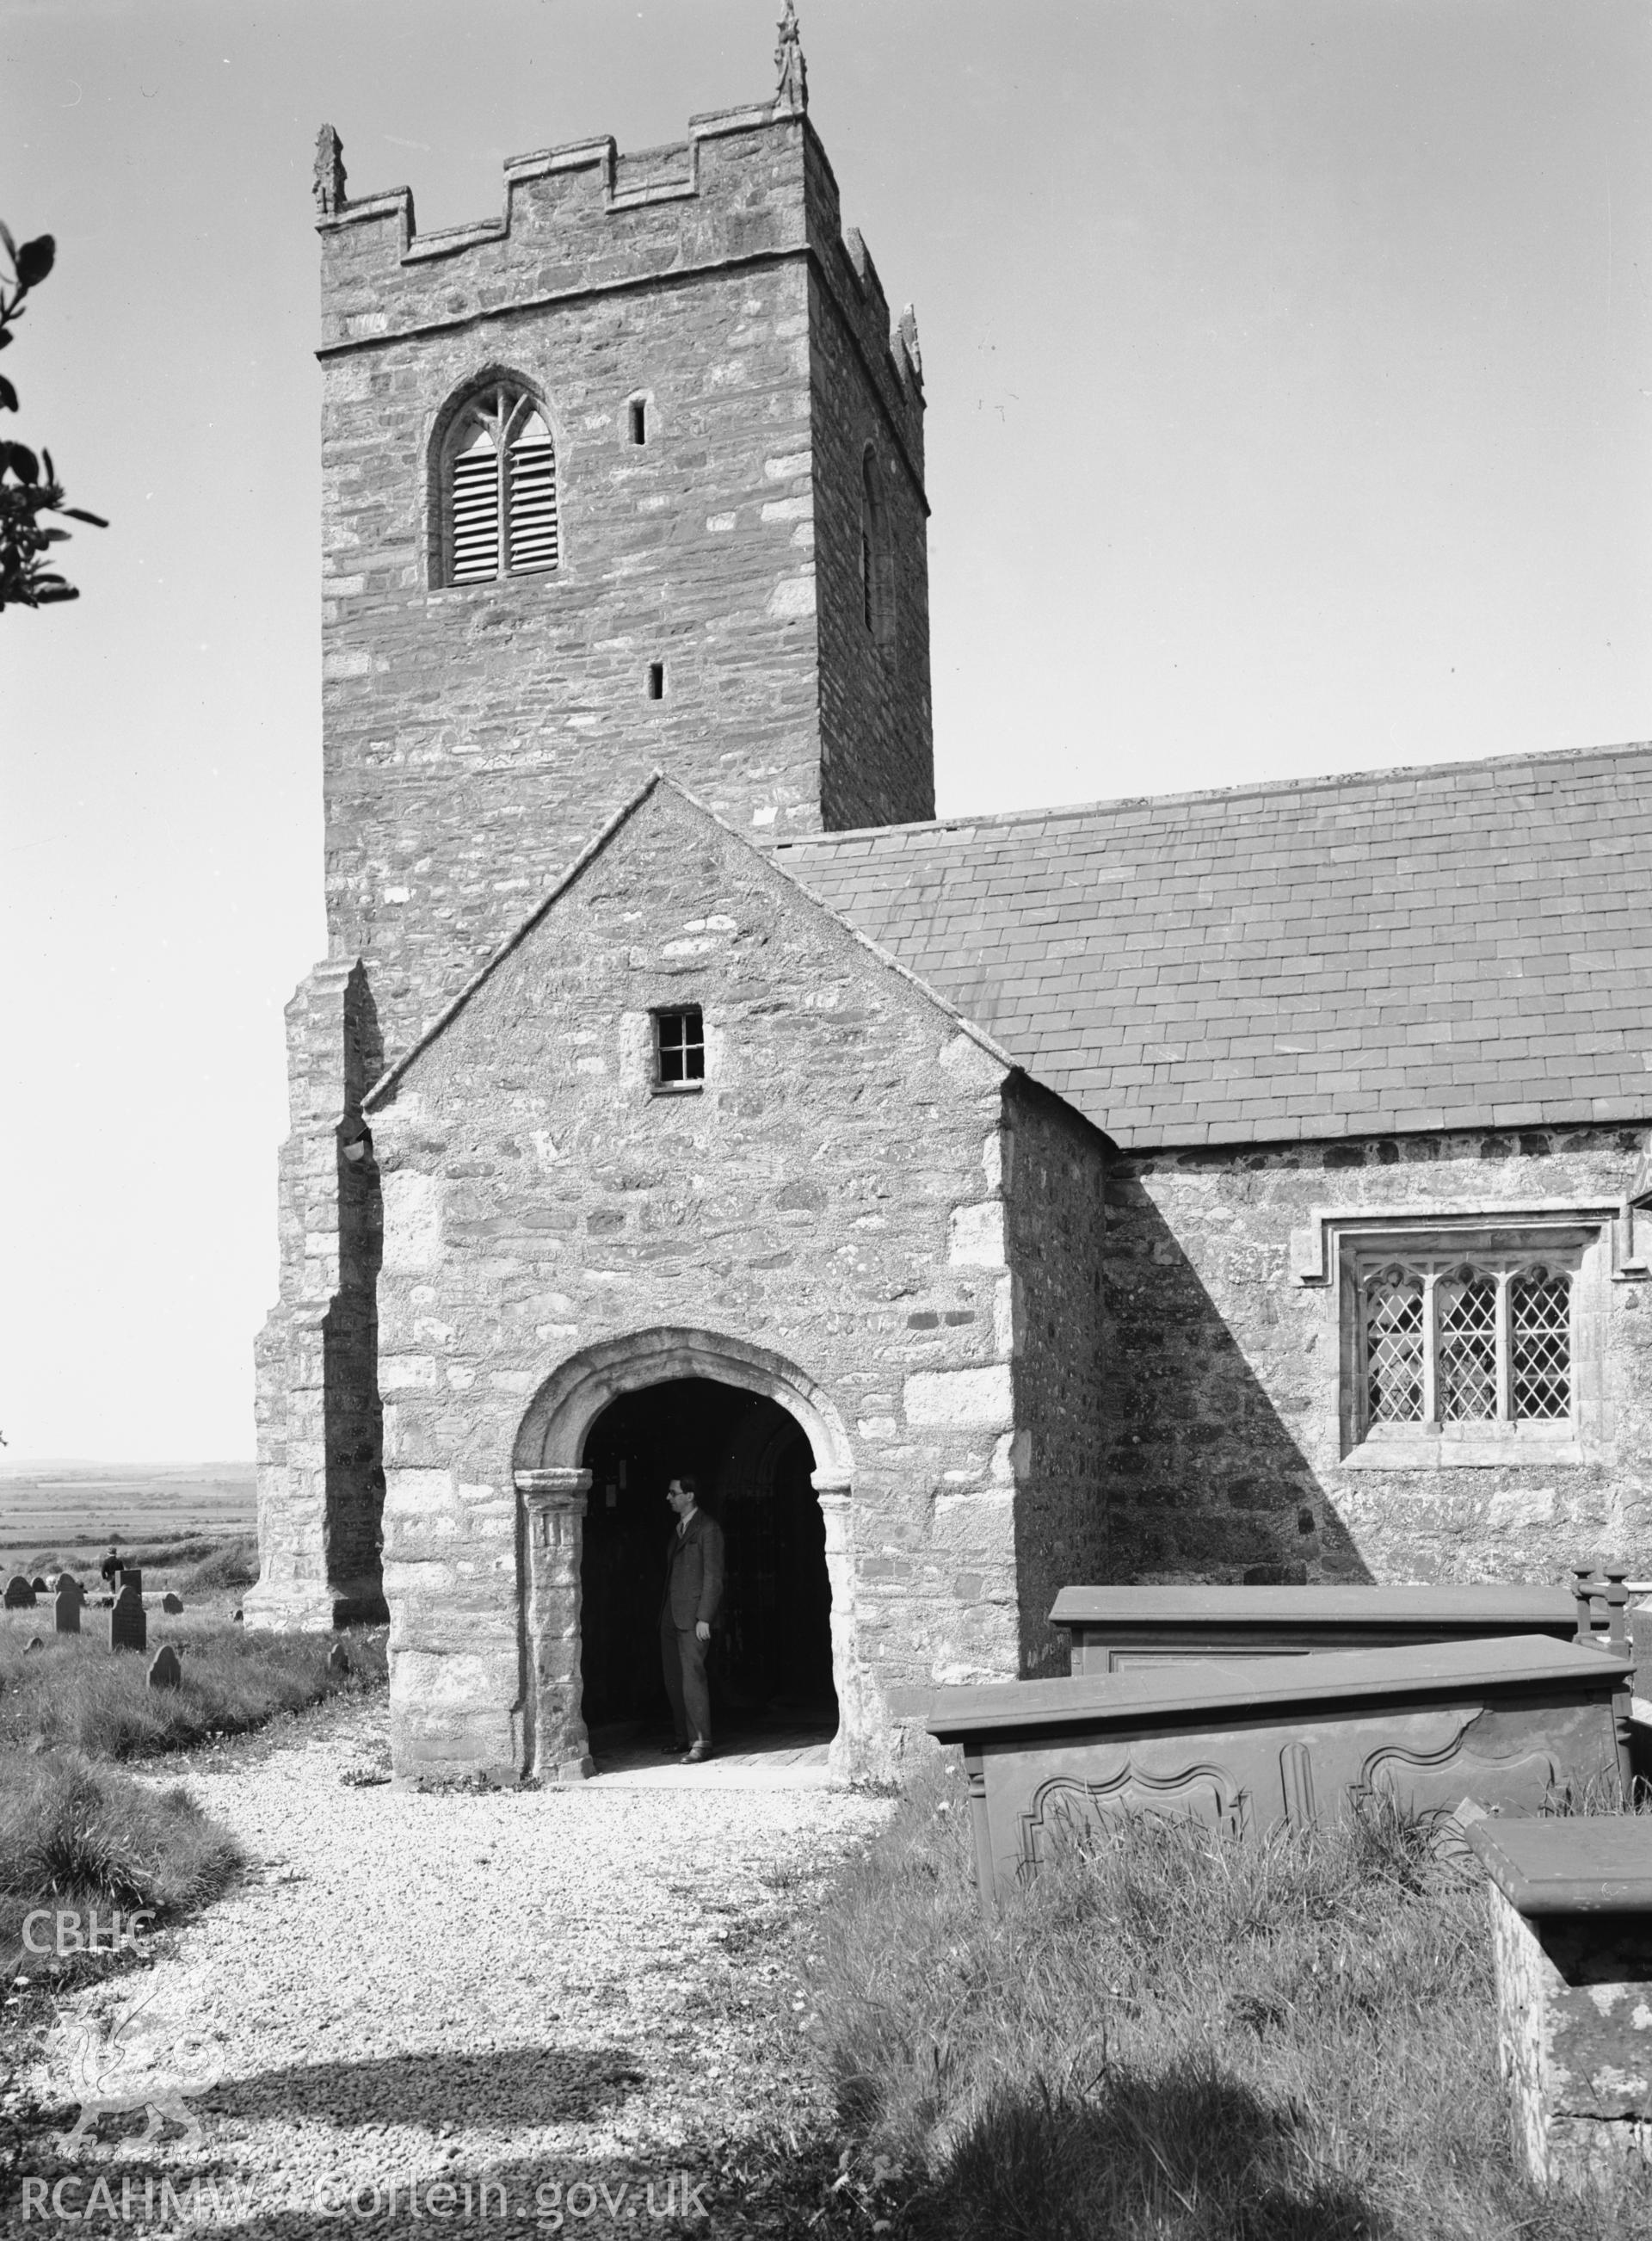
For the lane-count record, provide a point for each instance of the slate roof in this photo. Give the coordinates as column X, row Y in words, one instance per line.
column 1466, row 944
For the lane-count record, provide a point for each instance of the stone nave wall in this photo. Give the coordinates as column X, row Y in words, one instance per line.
column 1055, row 1201
column 1232, row 1456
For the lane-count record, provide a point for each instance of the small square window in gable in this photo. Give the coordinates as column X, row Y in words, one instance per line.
column 679, row 1048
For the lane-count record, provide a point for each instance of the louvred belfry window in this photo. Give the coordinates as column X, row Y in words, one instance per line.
column 1464, row 1344
column 501, row 490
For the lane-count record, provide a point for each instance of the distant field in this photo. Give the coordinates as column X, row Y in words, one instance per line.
column 68, row 1507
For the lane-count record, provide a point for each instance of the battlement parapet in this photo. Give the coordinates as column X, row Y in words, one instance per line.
column 748, row 186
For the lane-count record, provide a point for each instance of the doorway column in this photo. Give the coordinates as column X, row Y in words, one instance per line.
column 856, row 1748
column 555, row 1501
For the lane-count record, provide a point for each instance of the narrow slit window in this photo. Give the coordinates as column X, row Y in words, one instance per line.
column 656, row 680
column 679, row 1048
column 877, row 585
column 637, row 414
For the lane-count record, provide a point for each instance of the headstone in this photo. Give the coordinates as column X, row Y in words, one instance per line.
column 34, row 1643
column 338, row 1659
column 19, row 1595
column 128, row 1620
column 238, row 1616
column 66, row 1611
column 165, row 1671
column 38, row 1583
column 171, row 1604
column 68, row 1580
column 126, row 1577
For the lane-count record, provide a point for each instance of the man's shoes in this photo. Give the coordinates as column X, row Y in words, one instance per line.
column 697, row 1754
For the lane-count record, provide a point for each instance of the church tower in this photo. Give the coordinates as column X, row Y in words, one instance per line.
column 628, row 477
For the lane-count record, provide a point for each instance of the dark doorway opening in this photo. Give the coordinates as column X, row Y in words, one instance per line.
column 771, row 1658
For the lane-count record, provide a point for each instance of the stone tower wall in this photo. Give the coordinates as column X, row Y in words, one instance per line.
column 478, row 735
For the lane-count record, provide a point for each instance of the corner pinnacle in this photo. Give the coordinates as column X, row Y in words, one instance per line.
column 329, row 188
column 792, row 92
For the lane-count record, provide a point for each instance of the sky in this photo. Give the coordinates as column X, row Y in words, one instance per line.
column 1288, row 379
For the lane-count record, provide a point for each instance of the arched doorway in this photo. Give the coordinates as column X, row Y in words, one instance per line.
column 771, row 1660
column 555, row 1490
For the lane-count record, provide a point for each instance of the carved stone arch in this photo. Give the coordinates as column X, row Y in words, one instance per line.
column 554, row 1431
column 551, row 1483
column 493, row 376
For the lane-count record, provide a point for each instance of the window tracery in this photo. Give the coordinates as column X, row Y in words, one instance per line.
column 499, row 488
column 1447, row 1341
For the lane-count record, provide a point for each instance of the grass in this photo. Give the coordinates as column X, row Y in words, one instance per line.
column 227, row 1564
column 198, row 1563
column 76, row 1836
column 76, row 1831
column 74, row 1693
column 1175, row 2034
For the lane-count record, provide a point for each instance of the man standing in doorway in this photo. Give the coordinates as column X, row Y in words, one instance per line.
column 693, row 1589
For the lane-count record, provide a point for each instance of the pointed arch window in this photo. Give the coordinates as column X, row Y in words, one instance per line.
column 500, row 489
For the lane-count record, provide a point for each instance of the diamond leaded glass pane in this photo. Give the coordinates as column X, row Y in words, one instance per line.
column 1466, row 1309
column 1541, row 1345
column 1393, row 1346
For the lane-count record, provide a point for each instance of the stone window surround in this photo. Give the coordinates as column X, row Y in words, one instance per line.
column 689, row 1085
column 1603, row 1240
column 553, row 1484
column 442, row 424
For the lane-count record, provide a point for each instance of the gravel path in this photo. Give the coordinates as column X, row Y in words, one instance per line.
column 579, row 1989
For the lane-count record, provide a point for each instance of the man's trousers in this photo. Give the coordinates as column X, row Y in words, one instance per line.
column 682, row 1654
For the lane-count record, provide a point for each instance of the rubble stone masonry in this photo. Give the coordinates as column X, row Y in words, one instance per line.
column 1231, row 1457
column 834, row 1197
column 478, row 734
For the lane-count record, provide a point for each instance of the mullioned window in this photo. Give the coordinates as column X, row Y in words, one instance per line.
column 1461, row 1342
column 499, row 480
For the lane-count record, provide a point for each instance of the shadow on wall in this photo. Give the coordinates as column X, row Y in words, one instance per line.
column 354, row 1415
column 1205, row 1478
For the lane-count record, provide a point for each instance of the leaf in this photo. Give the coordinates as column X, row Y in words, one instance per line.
column 8, row 395
column 34, row 259
column 25, row 464
column 51, row 473
column 79, row 514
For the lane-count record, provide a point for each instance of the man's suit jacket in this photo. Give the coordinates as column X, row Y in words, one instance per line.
column 693, row 1572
